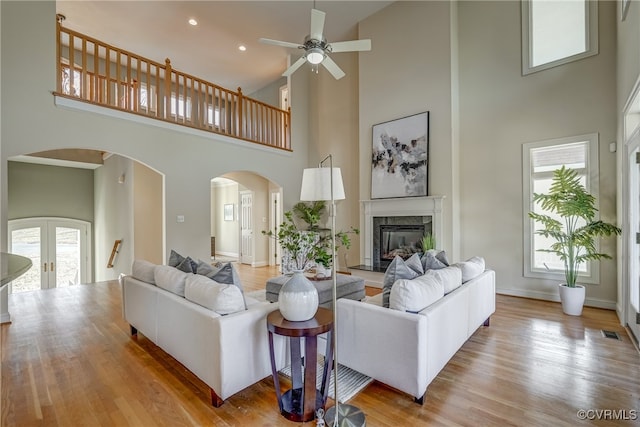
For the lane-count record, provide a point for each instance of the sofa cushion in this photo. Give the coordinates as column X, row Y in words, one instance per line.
column 224, row 273
column 471, row 268
column 170, row 279
column 450, row 277
column 434, row 259
column 400, row 269
column 219, row 297
column 414, row 295
column 143, row 271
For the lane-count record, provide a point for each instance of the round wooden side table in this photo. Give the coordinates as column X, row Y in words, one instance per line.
column 303, row 399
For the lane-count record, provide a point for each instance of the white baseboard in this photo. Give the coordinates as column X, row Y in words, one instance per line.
column 259, row 264
column 5, row 318
column 229, row 254
column 546, row 296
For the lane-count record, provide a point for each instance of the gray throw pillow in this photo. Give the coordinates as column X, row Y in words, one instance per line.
column 398, row 269
column 434, row 260
column 186, row 265
column 175, row 259
column 205, row 269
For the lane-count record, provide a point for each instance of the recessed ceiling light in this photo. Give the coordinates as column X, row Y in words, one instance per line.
column 193, row 22
column 242, row 48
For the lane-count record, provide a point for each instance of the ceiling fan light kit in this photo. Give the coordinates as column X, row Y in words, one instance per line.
column 316, row 48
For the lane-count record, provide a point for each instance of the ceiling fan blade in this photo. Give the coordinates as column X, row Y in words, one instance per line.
column 279, row 43
column 317, row 24
column 351, row 46
column 333, row 68
column 294, row 66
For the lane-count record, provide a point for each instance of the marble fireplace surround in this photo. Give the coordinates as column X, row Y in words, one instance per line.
column 409, row 206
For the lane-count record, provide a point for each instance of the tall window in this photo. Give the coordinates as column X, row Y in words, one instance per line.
column 540, row 160
column 556, row 32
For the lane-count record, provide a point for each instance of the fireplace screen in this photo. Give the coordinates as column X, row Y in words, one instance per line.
column 401, row 240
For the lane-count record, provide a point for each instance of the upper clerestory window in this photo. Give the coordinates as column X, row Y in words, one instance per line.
column 556, row 32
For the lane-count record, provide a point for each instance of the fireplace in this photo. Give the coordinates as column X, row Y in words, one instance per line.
column 397, row 235
column 423, row 212
column 399, row 240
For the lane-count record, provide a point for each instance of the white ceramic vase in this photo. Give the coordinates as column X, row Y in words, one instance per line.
column 572, row 299
column 298, row 298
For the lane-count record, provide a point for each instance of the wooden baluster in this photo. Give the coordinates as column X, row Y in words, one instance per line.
column 84, row 84
column 129, row 86
column 71, row 66
column 107, row 65
column 167, row 89
column 59, row 19
column 240, row 128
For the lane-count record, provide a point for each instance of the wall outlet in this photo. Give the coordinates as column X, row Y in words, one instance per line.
column 180, row 218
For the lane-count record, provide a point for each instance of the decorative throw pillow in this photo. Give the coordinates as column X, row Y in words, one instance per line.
column 170, row 279
column 415, row 295
column 219, row 297
column 471, row 268
column 450, row 277
column 143, row 271
column 398, row 269
column 177, row 260
column 205, row 269
column 434, row 259
column 228, row 275
column 186, row 265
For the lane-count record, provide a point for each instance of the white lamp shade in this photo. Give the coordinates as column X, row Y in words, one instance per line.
column 316, row 184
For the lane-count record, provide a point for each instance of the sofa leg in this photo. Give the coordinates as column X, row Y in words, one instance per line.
column 215, row 399
column 487, row 322
column 419, row 400
column 134, row 331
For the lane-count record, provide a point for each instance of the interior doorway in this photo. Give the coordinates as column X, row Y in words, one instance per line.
column 246, row 228
column 59, row 248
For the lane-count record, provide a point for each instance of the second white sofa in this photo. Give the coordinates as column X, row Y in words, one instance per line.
column 408, row 350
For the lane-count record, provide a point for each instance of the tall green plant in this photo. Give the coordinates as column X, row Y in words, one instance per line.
column 575, row 236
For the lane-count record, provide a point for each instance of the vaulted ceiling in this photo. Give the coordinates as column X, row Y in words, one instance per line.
column 209, row 50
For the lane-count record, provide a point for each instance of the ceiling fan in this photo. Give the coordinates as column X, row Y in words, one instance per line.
column 317, row 49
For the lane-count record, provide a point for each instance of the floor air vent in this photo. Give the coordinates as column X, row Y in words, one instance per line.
column 610, row 334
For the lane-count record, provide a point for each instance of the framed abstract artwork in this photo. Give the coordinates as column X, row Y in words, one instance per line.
column 400, row 157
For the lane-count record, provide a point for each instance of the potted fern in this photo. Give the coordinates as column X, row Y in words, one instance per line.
column 575, row 233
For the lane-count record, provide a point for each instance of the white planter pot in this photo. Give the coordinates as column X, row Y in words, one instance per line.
column 572, row 299
column 298, row 298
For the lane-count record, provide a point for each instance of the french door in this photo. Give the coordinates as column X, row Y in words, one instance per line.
column 59, row 248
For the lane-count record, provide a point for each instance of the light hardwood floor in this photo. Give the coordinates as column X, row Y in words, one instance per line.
column 68, row 360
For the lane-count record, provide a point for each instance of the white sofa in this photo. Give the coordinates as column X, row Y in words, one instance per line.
column 228, row 352
column 407, row 350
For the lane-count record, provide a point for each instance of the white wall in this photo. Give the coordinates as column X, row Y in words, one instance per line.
column 226, row 232
column 500, row 110
column 114, row 217
column 148, row 214
column 408, row 71
column 188, row 160
column 628, row 72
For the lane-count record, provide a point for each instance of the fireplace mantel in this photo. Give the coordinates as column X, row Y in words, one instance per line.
column 408, row 206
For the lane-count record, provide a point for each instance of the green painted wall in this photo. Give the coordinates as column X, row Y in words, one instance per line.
column 40, row 190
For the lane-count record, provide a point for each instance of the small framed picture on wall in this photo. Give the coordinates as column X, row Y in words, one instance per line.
column 228, row 212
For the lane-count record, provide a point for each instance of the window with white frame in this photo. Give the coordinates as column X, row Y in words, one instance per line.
column 539, row 161
column 213, row 116
column 182, row 107
column 556, row 32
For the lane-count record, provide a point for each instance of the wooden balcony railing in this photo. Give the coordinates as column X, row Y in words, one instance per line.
column 98, row 73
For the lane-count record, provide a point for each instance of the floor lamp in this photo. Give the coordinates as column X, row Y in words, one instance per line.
column 319, row 184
